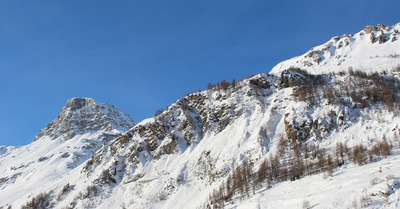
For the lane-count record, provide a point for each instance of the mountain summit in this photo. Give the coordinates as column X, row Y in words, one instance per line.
column 324, row 122
column 71, row 139
column 375, row 48
column 84, row 115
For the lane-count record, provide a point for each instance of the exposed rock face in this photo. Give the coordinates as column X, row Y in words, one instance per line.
column 372, row 38
column 83, row 115
column 200, row 140
column 369, row 29
column 261, row 82
column 170, row 147
column 315, row 55
column 382, row 38
column 342, row 52
column 298, row 130
column 293, row 77
column 382, row 26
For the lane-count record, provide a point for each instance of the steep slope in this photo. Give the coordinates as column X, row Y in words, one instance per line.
column 167, row 161
column 82, row 126
column 217, row 140
column 350, row 187
column 375, row 48
column 177, row 159
column 84, row 115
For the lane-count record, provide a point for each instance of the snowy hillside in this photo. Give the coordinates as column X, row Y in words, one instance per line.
column 349, row 187
column 375, row 48
column 82, row 127
column 278, row 140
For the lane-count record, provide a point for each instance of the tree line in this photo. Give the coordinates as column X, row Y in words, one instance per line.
column 293, row 160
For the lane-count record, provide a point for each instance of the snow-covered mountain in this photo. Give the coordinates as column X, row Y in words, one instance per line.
column 375, row 48
column 321, row 120
column 81, row 128
column 83, row 115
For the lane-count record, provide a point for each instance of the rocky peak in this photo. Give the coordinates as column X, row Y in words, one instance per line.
column 83, row 115
column 375, row 48
column 78, row 103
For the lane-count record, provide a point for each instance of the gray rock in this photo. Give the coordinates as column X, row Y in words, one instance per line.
column 84, row 115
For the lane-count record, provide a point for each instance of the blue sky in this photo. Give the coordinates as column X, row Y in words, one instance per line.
column 144, row 55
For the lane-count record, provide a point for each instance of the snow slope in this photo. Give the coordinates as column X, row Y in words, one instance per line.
column 59, row 148
column 360, row 186
column 361, row 51
column 93, row 156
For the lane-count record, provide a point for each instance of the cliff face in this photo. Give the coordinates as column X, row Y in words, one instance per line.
column 84, row 115
column 82, row 127
column 93, row 156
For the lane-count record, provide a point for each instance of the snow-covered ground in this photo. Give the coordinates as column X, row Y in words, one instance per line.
column 351, row 185
column 356, row 51
column 93, row 156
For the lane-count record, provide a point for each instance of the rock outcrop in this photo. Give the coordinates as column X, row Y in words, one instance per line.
column 83, row 115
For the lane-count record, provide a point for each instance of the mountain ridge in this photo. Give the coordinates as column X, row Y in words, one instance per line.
column 211, row 139
column 375, row 48
column 83, row 115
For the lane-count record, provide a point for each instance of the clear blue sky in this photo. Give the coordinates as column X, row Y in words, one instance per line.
column 143, row 55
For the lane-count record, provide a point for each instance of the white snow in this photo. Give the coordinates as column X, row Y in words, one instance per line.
column 141, row 174
column 359, row 54
column 349, row 184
